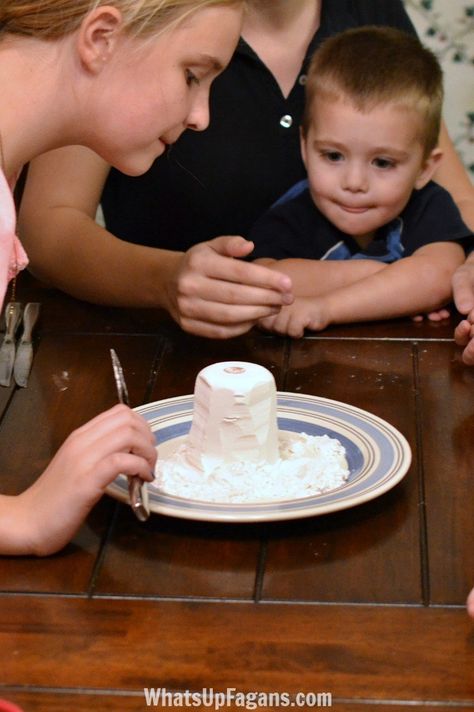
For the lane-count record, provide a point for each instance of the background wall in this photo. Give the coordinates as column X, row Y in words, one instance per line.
column 447, row 27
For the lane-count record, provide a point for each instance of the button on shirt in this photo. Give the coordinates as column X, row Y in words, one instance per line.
column 286, row 121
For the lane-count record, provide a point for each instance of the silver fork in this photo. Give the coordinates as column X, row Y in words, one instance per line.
column 8, row 348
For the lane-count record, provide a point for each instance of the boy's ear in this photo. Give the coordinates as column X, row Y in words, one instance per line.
column 429, row 166
column 98, row 36
column 303, row 147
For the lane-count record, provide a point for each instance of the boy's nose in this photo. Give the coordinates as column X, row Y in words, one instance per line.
column 355, row 178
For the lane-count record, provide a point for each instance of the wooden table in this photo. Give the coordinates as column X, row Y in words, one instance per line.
column 366, row 604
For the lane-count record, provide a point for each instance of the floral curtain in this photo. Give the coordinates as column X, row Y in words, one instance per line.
column 447, row 27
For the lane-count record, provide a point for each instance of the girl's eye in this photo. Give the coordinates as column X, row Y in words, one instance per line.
column 332, row 156
column 383, row 163
column 191, row 78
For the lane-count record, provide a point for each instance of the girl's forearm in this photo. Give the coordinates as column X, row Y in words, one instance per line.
column 85, row 260
column 16, row 527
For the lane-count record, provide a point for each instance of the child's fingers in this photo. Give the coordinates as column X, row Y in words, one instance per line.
column 463, row 288
column 117, row 416
column 468, row 353
column 461, row 332
column 120, row 417
column 470, row 604
column 123, row 463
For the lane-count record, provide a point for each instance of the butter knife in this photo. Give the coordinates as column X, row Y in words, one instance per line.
column 137, row 490
column 24, row 352
column 7, row 350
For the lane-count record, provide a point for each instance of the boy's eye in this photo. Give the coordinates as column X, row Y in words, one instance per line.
column 383, row 163
column 191, row 78
column 333, row 156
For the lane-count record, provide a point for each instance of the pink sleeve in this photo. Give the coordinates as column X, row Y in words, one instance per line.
column 12, row 255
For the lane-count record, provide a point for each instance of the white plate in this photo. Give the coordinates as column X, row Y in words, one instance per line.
column 378, row 456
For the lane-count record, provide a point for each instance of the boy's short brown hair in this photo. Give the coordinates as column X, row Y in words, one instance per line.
column 377, row 65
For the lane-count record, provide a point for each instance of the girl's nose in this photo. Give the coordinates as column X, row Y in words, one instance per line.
column 198, row 117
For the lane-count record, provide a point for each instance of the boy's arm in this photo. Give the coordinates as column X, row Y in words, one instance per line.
column 421, row 282
column 312, row 278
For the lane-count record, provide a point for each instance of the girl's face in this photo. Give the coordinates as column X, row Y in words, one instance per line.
column 150, row 90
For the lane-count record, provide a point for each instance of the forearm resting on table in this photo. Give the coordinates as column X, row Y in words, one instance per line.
column 421, row 282
column 312, row 278
column 16, row 535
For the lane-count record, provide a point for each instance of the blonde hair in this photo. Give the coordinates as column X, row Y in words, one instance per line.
column 370, row 66
column 53, row 19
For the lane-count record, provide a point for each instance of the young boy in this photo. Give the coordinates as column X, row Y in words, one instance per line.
column 367, row 236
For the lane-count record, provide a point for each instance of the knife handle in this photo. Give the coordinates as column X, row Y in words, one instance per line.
column 12, row 319
column 30, row 317
column 138, row 493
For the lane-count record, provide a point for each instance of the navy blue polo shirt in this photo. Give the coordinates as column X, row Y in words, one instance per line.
column 294, row 227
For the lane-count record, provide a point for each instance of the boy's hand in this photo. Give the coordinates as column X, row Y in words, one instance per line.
column 438, row 315
column 305, row 313
column 214, row 294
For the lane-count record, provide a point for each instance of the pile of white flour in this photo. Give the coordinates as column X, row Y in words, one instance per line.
column 308, row 465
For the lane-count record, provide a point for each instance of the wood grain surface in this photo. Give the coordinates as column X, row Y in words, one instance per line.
column 366, row 603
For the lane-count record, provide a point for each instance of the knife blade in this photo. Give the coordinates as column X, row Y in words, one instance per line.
column 8, row 348
column 137, row 490
column 24, row 352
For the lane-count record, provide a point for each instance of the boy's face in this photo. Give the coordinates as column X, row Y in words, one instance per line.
column 362, row 167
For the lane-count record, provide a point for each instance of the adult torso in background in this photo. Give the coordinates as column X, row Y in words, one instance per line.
column 219, row 182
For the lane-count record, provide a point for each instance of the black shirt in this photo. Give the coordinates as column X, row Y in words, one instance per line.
column 218, row 182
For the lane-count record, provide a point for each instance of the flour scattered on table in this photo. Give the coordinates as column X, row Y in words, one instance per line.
column 307, row 465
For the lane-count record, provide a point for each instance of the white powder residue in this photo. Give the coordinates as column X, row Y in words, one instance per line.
column 308, row 465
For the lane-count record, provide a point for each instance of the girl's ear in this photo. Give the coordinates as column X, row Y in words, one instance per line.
column 429, row 166
column 98, row 36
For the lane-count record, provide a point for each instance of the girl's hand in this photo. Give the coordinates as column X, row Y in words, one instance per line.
column 118, row 441
column 217, row 295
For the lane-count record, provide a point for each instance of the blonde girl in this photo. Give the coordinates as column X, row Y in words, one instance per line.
column 124, row 78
